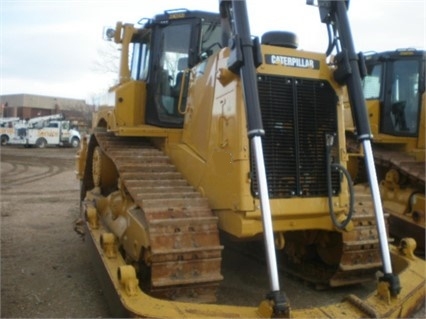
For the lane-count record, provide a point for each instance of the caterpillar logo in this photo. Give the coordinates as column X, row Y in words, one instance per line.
column 291, row 61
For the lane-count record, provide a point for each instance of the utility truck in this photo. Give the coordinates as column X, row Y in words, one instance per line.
column 43, row 131
column 7, row 128
column 57, row 133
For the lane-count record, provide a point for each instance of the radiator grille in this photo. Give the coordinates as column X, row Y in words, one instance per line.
column 297, row 114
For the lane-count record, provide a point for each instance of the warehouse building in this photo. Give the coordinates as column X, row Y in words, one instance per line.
column 26, row 106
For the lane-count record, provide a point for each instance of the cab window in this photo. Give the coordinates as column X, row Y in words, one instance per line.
column 372, row 82
column 176, row 46
column 405, row 96
column 173, row 44
column 140, row 56
column 211, row 37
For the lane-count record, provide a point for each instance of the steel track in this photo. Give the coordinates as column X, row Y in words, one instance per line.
column 184, row 249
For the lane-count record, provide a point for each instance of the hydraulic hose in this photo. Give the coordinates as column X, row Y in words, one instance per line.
column 338, row 167
column 331, row 40
column 348, row 72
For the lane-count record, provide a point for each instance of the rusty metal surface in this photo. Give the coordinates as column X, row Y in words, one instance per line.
column 400, row 226
column 403, row 162
column 358, row 251
column 361, row 256
column 384, row 157
column 185, row 252
column 412, row 174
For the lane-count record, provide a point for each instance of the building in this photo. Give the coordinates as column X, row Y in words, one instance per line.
column 26, row 106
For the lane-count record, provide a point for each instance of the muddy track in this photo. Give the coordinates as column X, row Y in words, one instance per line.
column 15, row 169
column 18, row 175
column 16, row 162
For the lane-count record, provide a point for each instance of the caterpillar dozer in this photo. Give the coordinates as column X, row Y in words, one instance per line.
column 216, row 138
column 394, row 89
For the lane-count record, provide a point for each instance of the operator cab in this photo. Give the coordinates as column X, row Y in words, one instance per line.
column 394, row 78
column 163, row 51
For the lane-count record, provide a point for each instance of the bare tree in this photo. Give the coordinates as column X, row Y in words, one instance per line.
column 108, row 59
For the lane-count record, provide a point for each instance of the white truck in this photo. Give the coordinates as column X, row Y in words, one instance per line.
column 8, row 127
column 43, row 131
column 57, row 132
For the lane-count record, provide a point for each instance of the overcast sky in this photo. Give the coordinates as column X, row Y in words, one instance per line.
column 52, row 47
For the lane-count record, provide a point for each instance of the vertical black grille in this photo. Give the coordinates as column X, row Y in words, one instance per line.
column 297, row 114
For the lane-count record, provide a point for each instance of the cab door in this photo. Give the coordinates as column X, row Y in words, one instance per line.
column 174, row 45
column 401, row 97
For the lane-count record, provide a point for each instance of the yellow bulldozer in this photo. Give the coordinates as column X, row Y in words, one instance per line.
column 218, row 138
column 394, row 88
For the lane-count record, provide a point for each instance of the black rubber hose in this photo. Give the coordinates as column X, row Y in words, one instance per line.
column 331, row 40
column 338, row 167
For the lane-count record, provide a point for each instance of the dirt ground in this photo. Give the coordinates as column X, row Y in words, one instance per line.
column 45, row 269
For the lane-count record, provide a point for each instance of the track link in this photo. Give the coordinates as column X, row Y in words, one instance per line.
column 361, row 257
column 403, row 162
column 185, row 252
column 359, row 251
column 411, row 175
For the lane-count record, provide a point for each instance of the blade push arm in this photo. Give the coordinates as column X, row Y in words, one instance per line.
column 334, row 14
column 235, row 20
